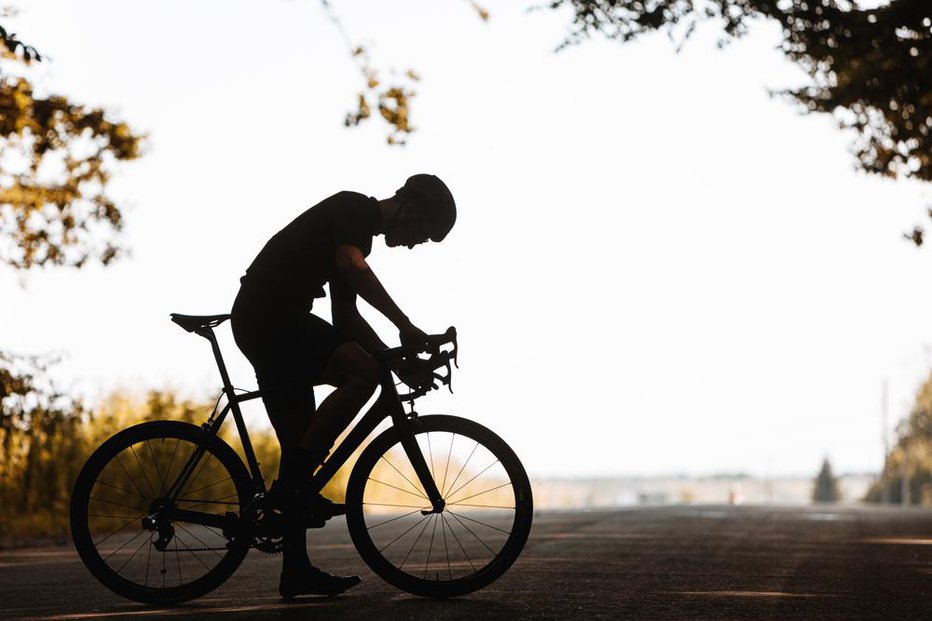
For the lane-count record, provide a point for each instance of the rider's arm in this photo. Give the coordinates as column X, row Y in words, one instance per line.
column 352, row 266
column 347, row 319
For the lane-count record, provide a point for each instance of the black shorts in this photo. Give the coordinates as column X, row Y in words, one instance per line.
column 289, row 353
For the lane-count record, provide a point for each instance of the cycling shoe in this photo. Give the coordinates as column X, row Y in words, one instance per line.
column 313, row 581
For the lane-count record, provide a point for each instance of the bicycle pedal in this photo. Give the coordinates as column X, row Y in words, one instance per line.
column 315, row 521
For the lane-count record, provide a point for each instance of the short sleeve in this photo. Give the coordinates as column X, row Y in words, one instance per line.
column 353, row 222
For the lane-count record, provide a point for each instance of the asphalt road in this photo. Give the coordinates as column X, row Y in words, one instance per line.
column 674, row 562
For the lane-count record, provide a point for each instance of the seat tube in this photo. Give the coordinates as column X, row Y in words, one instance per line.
column 234, row 404
column 224, row 376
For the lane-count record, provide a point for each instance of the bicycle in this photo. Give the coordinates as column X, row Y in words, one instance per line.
column 177, row 492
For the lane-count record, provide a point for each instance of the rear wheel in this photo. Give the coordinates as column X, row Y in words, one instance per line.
column 126, row 529
column 472, row 541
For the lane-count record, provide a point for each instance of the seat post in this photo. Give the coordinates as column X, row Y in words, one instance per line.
column 208, row 334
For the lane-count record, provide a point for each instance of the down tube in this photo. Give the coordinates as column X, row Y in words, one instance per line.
column 350, row 443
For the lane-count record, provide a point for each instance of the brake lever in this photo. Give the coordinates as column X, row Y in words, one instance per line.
column 454, row 353
column 448, row 378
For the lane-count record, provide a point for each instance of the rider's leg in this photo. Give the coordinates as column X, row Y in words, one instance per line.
column 289, row 412
column 355, row 374
column 278, row 348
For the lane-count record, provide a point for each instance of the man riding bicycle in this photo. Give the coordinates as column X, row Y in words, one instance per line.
column 292, row 350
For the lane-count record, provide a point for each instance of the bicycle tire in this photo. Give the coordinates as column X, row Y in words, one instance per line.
column 115, row 487
column 507, row 521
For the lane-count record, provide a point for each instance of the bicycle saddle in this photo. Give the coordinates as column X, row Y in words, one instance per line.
column 192, row 323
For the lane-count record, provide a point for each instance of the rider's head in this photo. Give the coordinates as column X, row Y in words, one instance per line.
column 426, row 210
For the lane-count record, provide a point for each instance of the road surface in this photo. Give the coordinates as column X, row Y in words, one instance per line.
column 669, row 562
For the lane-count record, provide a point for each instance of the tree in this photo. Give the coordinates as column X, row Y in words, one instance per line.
column 825, row 487
column 907, row 471
column 872, row 68
column 56, row 158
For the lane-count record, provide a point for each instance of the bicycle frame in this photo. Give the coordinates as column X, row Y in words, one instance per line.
column 388, row 404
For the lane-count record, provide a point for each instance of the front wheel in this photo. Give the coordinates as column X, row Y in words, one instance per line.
column 482, row 527
column 146, row 543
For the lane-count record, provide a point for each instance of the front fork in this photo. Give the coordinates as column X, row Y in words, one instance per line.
column 424, row 475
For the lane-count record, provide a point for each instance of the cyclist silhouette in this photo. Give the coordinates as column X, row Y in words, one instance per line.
column 292, row 350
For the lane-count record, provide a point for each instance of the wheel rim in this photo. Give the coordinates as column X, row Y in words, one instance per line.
column 462, row 538
column 133, row 540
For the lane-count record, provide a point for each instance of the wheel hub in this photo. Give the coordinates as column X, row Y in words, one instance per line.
column 438, row 507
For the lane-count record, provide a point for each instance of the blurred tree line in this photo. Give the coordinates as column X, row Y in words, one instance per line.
column 49, row 437
column 907, row 470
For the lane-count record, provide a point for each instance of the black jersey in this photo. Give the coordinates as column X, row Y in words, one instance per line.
column 292, row 268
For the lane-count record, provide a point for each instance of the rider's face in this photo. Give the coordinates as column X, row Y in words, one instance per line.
column 408, row 229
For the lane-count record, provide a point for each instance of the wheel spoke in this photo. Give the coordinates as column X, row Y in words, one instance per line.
column 430, row 546
column 187, row 549
column 456, row 502
column 446, row 468
column 452, row 532
column 464, row 525
column 403, row 477
column 446, row 548
column 125, row 543
column 219, row 501
column 145, row 476
column 416, row 524
column 394, row 519
column 133, row 555
column 465, row 517
column 122, row 489
column 131, row 479
column 430, row 452
column 171, row 462
column 178, row 563
column 118, row 504
column 204, row 459
column 115, row 517
column 463, row 467
column 148, row 558
column 158, row 470
column 400, row 489
column 128, row 522
column 194, row 491
column 207, row 548
column 419, row 535
column 483, row 471
column 384, row 504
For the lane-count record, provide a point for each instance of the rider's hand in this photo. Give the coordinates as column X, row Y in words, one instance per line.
column 412, row 336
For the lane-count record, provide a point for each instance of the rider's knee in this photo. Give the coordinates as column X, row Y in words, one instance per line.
column 358, row 367
column 367, row 372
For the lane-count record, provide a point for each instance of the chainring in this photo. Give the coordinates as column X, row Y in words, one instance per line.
column 267, row 544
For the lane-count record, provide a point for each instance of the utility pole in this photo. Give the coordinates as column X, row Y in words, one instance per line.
column 884, row 485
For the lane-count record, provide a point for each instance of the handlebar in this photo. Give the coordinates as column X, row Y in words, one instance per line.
column 396, row 357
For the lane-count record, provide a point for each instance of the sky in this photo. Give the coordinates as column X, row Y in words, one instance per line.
column 657, row 268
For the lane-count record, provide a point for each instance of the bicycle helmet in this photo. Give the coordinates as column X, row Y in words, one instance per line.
column 433, row 198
